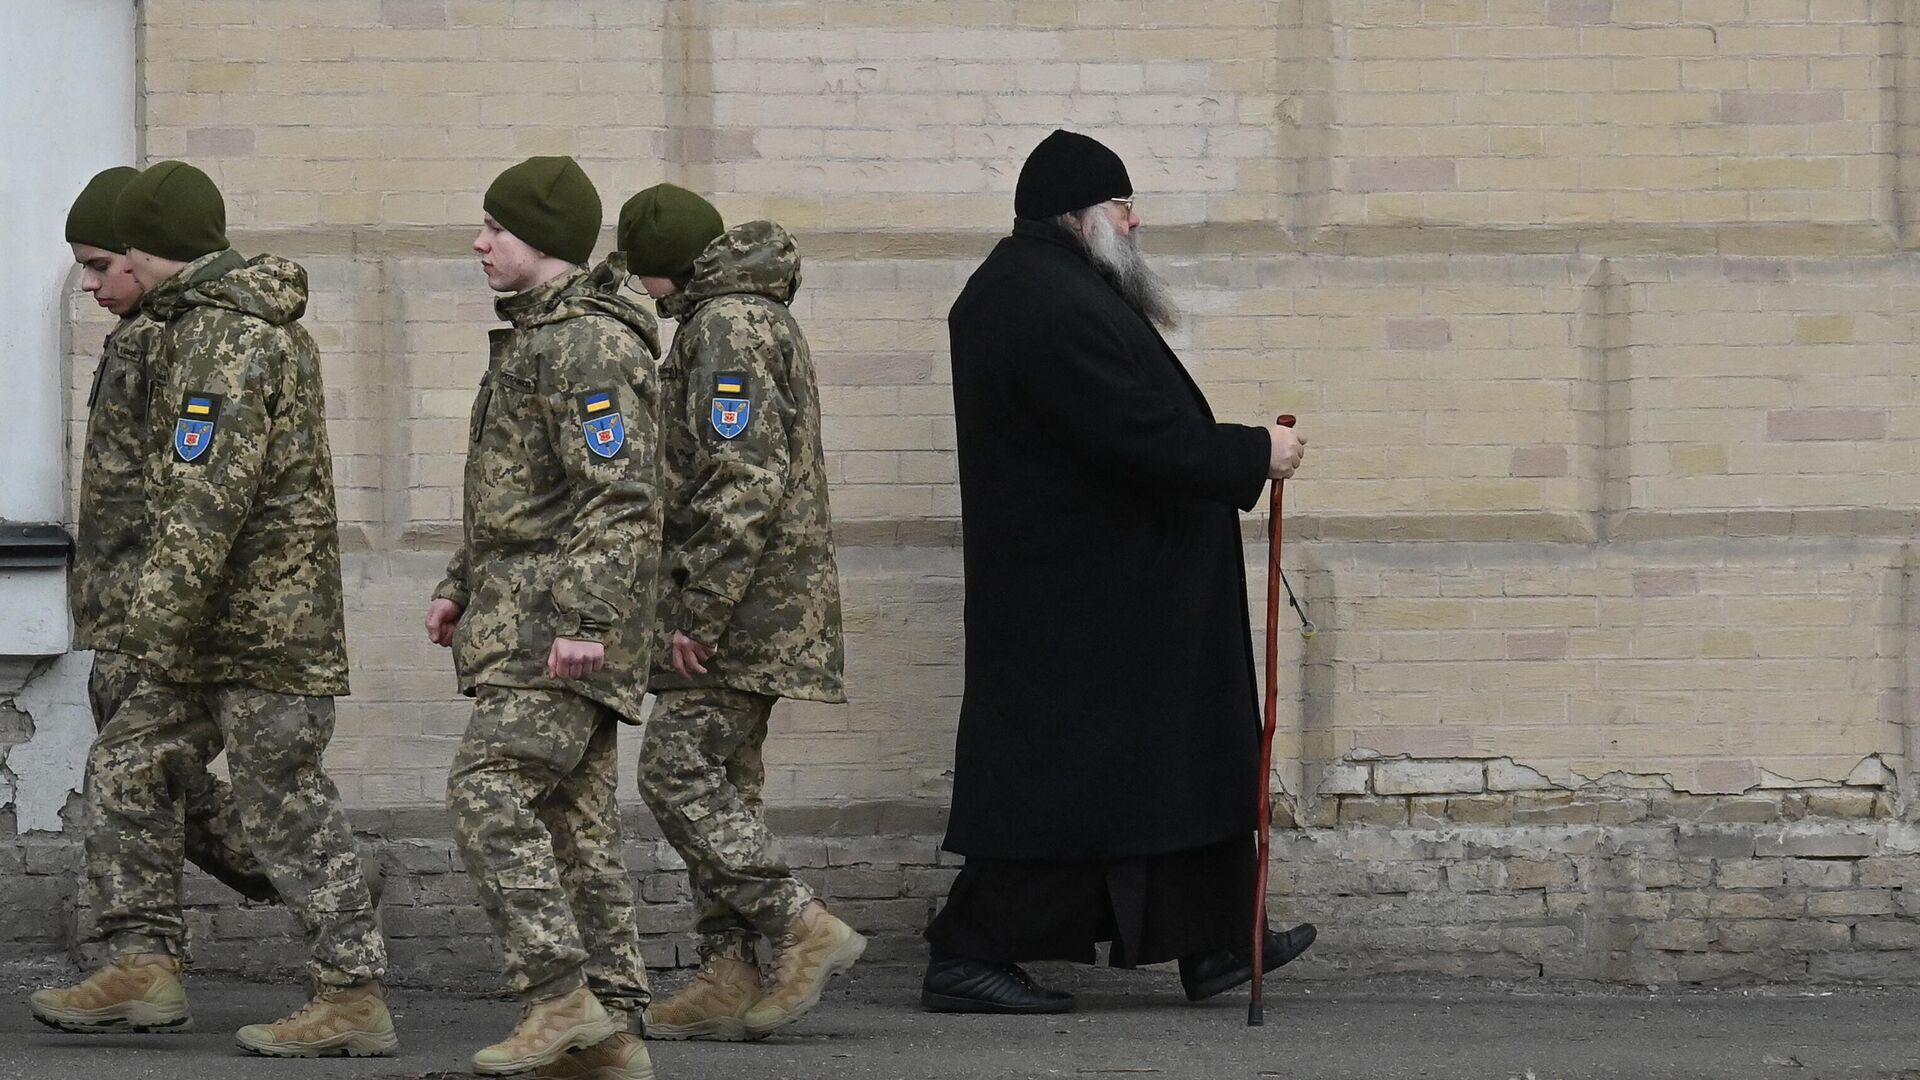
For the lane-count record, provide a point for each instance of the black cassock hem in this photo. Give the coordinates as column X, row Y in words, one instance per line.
column 1154, row 909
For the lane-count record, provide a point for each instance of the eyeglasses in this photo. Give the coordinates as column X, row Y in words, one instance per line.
column 1126, row 202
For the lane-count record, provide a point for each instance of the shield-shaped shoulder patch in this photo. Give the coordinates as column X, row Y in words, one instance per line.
column 732, row 408
column 600, row 420
column 193, row 431
column 730, row 416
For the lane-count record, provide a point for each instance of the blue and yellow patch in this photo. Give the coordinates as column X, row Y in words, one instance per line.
column 732, row 408
column 600, row 420
column 193, row 431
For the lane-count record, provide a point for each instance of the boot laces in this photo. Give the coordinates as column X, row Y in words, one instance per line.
column 293, row 1019
column 520, row 1026
column 789, row 953
column 705, row 977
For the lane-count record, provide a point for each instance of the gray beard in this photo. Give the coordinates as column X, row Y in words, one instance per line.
column 1119, row 260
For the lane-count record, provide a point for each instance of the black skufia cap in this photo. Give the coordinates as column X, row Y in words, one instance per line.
column 1069, row 171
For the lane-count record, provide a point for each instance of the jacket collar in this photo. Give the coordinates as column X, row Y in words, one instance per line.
column 676, row 306
column 169, row 298
column 523, row 309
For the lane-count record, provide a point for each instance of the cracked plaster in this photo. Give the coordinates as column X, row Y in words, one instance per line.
column 39, row 775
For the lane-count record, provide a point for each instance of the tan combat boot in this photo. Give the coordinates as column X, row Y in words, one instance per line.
column 352, row 1022
column 815, row 948
column 712, row 1006
column 623, row 1057
column 547, row 1029
column 136, row 992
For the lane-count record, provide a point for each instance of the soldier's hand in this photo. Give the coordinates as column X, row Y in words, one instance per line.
column 573, row 659
column 689, row 656
column 442, row 617
column 1287, row 447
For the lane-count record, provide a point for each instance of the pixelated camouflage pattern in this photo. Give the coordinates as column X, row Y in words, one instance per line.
column 214, row 839
column 289, row 812
column 559, row 541
column 111, row 547
column 156, row 730
column 702, row 776
column 749, row 562
column 241, row 583
column 537, row 823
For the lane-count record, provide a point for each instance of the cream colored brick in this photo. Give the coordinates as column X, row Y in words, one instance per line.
column 217, row 78
column 1823, row 330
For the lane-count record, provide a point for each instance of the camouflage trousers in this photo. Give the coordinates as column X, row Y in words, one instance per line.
column 289, row 813
column 214, row 841
column 533, row 800
column 701, row 775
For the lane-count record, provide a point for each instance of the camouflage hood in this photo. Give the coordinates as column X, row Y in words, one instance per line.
column 577, row 293
column 758, row 258
column 267, row 287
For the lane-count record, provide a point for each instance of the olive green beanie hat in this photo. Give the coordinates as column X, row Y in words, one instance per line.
column 172, row 210
column 91, row 219
column 550, row 203
column 664, row 229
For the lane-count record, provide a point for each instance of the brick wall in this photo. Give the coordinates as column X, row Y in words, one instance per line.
column 1653, row 888
column 1600, row 315
column 1376, row 113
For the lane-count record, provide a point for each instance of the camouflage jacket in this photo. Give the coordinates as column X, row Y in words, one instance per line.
column 112, row 545
column 561, row 534
column 241, row 581
column 749, row 563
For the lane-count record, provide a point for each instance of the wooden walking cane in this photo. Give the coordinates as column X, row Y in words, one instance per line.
column 1256, row 1008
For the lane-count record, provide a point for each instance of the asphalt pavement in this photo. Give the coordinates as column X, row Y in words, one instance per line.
column 1129, row 1025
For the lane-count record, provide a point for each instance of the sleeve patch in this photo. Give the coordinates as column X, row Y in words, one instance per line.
column 193, row 431
column 732, row 406
column 600, row 420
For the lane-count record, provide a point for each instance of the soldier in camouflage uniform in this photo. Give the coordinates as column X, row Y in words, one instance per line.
column 239, row 596
column 112, row 543
column 751, row 603
column 548, row 606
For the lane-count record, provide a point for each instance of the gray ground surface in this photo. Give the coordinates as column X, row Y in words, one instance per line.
column 1130, row 1024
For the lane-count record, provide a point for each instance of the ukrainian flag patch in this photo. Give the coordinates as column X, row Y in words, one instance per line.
column 193, row 431
column 732, row 408
column 600, row 420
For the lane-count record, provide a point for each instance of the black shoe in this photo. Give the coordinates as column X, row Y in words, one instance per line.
column 959, row 985
column 1216, row 972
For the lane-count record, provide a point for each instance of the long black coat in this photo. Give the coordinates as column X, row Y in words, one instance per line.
column 1110, row 707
